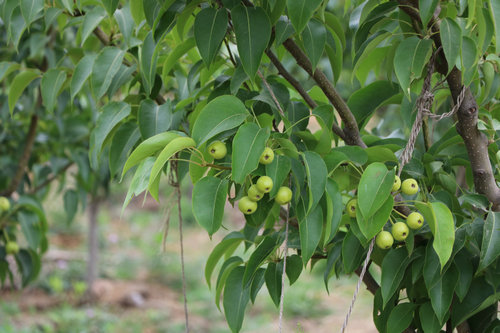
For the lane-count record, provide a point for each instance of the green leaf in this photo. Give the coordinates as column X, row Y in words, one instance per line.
column 441, row 293
column 17, row 27
column 451, row 38
column 372, row 225
column 401, row 317
column 310, row 228
column 82, row 72
column 495, row 11
column 170, row 149
column 393, row 269
column 490, row 246
column 248, row 144
column 92, row 19
column 314, row 37
column 154, row 119
column 273, row 281
column 122, row 77
column 20, row 82
column 278, row 170
column 105, row 67
column 465, row 271
column 374, row 188
column 316, row 177
column 137, row 11
column 253, row 31
column 70, row 204
column 352, row 252
column 30, row 10
column 284, row 29
column 365, row 101
column 175, row 55
column 261, row 253
column 219, row 115
column 125, row 21
column 112, row 114
column 427, row 8
column 110, row 6
column 410, row 59
column 123, row 141
column 210, row 27
column 7, row 67
column 32, row 231
column 224, row 272
column 430, row 323
column 148, row 57
column 293, row 267
column 442, row 226
column 334, row 210
column 208, row 200
column 52, row 82
column 227, row 245
column 235, row 300
column 147, row 148
column 469, row 58
column 301, row 11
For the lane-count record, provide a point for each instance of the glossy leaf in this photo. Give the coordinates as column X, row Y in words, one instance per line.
column 410, row 59
column 441, row 293
column 110, row 6
column 490, row 246
column 210, row 27
column 372, row 225
column 125, row 21
column 105, row 67
column 147, row 148
column 430, row 324
column 316, row 177
column 301, row 11
column 248, row 144
column 225, row 247
column 273, row 281
column 278, row 170
column 31, row 228
column 221, row 114
column 81, row 73
column 52, row 82
column 257, row 258
column 154, row 119
column 334, row 210
column 224, row 272
column 6, row 68
column 314, row 37
column 451, row 38
column 91, row 20
column 170, row 149
column 374, row 188
column 123, row 141
column 442, row 226
column 427, row 8
column 30, row 9
column 393, row 269
column 148, row 58
column 293, row 268
column 494, row 6
column 236, row 297
column 20, row 82
column 310, row 228
column 284, row 29
column 208, row 200
column 401, row 317
column 253, row 31
column 175, row 55
column 352, row 252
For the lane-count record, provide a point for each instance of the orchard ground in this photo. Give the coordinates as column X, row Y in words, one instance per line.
column 140, row 286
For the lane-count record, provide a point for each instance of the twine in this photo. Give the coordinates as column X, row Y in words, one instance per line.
column 424, row 107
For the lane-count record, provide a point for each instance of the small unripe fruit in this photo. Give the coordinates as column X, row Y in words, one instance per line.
column 409, row 186
column 265, row 184
column 267, row 156
column 217, row 149
column 254, row 193
column 384, row 240
column 247, row 206
column 400, row 231
column 351, row 207
column 415, row 220
column 11, row 247
column 284, row 195
column 397, row 184
column 4, row 204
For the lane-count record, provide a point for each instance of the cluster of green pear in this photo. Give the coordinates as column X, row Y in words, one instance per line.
column 248, row 204
column 11, row 247
column 399, row 230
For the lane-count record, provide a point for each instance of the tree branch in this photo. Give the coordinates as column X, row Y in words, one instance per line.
column 351, row 130
column 287, row 76
column 25, row 157
column 475, row 141
column 369, row 281
column 51, row 178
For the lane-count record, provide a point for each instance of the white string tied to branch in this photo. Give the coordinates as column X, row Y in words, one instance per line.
column 424, row 107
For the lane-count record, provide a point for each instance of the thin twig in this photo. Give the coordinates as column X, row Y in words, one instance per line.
column 51, row 178
column 271, row 92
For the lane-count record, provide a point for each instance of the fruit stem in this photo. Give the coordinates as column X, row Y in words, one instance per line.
column 390, row 220
column 401, row 214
